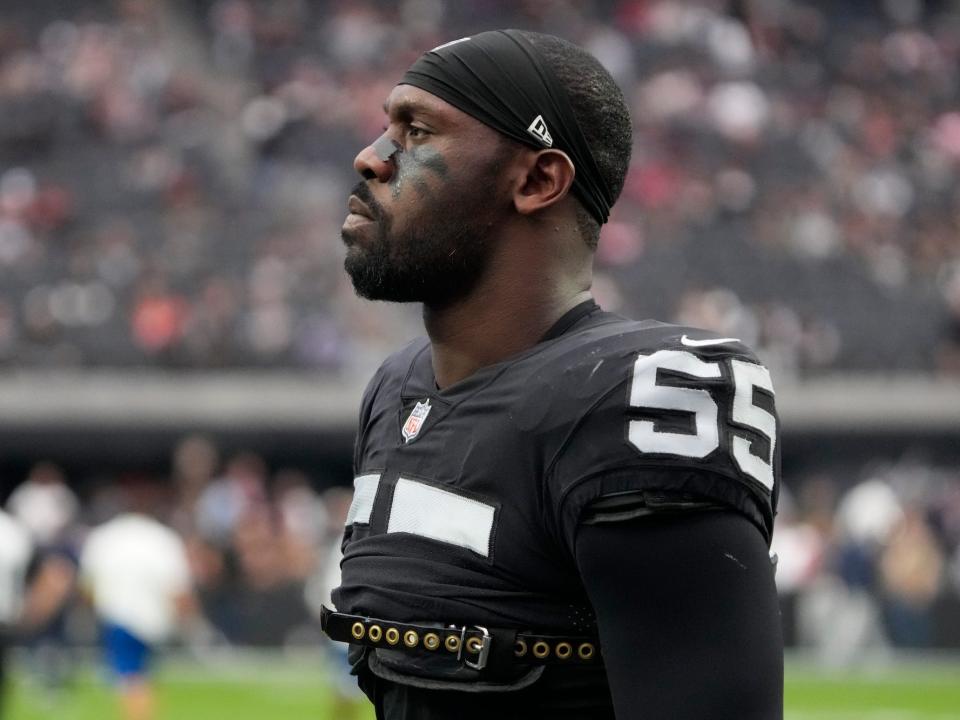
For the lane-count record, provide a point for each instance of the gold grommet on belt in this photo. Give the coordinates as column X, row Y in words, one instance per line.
column 452, row 643
column 392, row 636
column 431, row 641
column 520, row 648
column 474, row 645
column 540, row 649
column 564, row 650
column 357, row 631
column 410, row 638
column 585, row 651
column 375, row 633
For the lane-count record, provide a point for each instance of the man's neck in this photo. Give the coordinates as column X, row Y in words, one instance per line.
column 493, row 324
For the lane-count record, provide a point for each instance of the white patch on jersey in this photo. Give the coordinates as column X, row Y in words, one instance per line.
column 414, row 424
column 441, row 515
column 364, row 493
column 538, row 128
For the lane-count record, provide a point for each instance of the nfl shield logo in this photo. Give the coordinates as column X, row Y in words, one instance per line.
column 413, row 425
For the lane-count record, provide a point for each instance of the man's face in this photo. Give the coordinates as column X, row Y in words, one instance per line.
column 419, row 222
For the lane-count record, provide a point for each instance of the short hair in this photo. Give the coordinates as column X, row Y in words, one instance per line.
column 601, row 111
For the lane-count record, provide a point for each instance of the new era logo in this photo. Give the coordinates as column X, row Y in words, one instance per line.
column 538, row 128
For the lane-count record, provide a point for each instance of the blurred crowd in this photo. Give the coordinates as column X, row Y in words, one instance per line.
column 864, row 566
column 173, row 175
column 259, row 543
column 873, row 566
column 219, row 552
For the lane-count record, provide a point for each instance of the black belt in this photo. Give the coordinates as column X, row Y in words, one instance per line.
column 471, row 644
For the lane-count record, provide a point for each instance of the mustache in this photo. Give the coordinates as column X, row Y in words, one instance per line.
column 362, row 191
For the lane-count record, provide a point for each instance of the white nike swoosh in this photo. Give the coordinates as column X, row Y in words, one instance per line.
column 690, row 342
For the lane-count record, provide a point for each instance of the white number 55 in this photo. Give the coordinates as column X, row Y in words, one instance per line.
column 647, row 393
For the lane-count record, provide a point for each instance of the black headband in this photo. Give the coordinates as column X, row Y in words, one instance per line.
column 499, row 78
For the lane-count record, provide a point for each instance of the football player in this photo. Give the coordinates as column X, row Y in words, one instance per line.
column 558, row 512
column 33, row 587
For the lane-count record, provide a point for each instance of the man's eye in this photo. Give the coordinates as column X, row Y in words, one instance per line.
column 413, row 131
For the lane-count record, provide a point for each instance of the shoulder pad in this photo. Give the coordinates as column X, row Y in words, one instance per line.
column 667, row 409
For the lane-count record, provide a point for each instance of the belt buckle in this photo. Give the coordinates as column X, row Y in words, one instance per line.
column 485, row 642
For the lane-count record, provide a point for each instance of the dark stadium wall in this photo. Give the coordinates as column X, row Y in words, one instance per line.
column 90, row 454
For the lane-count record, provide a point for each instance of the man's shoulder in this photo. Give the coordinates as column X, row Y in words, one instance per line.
column 592, row 360
column 661, row 408
column 626, row 367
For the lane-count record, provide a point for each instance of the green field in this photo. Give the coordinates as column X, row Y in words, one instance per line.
column 289, row 688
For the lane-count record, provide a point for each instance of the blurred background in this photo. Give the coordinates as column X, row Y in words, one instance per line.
column 176, row 329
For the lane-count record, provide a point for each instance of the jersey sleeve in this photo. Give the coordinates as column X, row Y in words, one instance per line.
column 668, row 428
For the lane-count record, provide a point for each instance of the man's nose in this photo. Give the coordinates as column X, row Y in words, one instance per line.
column 375, row 161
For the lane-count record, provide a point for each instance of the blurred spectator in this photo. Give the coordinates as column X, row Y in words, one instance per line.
column 49, row 509
column 267, row 598
column 137, row 574
column 303, row 520
column 911, row 570
column 45, row 505
column 349, row 699
column 195, row 461
column 16, row 550
column 32, row 589
column 839, row 614
column 226, row 499
column 799, row 548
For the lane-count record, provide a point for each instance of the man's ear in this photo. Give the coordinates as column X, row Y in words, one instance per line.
column 548, row 178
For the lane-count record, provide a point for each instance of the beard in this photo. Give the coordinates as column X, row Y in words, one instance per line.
column 437, row 261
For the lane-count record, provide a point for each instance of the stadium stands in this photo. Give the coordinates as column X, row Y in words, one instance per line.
column 173, row 176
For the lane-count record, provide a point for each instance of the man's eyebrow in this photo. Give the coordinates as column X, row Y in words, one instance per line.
column 406, row 108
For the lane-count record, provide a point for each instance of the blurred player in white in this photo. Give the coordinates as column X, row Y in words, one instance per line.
column 136, row 572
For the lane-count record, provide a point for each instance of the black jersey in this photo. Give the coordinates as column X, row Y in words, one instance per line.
column 468, row 499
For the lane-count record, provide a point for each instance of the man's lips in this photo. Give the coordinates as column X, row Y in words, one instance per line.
column 356, row 206
column 359, row 217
